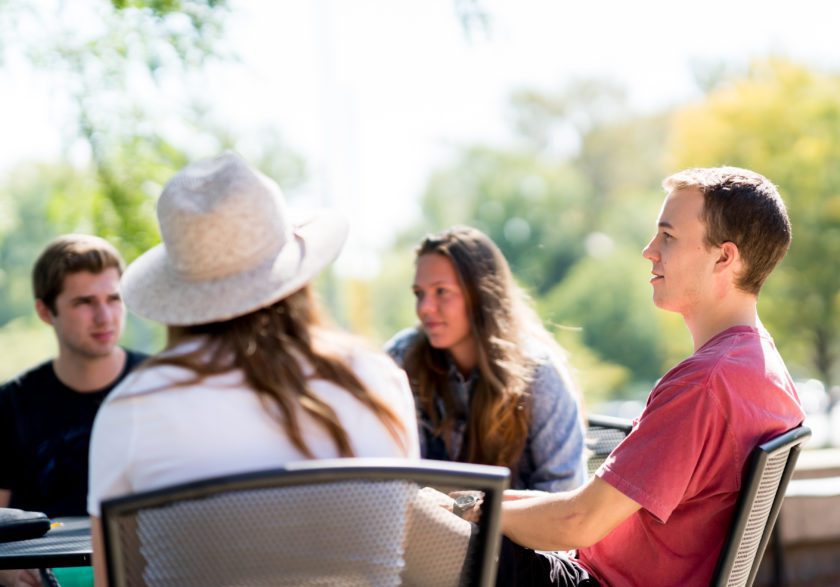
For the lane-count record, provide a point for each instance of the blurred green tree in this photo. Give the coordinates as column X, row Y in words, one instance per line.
column 32, row 215
column 606, row 294
column 105, row 62
column 783, row 120
column 532, row 208
column 122, row 74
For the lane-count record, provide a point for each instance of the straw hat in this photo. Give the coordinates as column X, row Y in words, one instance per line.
column 229, row 246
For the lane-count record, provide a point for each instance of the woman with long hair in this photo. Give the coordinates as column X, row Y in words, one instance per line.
column 251, row 377
column 491, row 385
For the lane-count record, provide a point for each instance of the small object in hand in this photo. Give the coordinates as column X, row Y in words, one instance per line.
column 463, row 504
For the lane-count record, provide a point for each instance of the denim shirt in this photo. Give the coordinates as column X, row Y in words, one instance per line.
column 554, row 456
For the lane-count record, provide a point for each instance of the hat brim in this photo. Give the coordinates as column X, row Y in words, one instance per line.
column 153, row 289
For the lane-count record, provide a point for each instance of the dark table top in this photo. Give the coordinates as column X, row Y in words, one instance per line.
column 67, row 545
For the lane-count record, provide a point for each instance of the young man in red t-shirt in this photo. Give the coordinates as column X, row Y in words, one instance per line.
column 657, row 511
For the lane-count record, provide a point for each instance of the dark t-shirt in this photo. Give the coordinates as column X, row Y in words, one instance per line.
column 45, row 431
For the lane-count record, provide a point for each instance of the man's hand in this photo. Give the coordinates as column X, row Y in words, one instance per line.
column 469, row 509
column 467, row 505
column 20, row 578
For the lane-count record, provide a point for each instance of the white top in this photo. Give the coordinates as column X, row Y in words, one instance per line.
column 151, row 433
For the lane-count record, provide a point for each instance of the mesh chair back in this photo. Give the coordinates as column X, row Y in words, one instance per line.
column 344, row 522
column 768, row 472
column 603, row 434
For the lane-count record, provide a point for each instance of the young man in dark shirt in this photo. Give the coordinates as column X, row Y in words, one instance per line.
column 46, row 413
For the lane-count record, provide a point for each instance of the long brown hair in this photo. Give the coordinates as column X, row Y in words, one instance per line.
column 501, row 323
column 279, row 349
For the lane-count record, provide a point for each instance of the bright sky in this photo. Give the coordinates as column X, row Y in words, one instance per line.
column 377, row 93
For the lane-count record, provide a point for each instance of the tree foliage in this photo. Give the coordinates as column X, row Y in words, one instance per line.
column 123, row 76
column 607, row 295
column 109, row 63
column 532, row 208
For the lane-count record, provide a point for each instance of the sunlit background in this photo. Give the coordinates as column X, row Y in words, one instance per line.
column 548, row 124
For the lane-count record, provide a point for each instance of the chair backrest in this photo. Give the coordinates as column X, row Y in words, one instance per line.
column 763, row 488
column 331, row 522
column 603, row 434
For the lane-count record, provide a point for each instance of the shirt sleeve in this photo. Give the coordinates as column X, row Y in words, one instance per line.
column 655, row 465
column 556, row 436
column 110, row 453
column 399, row 343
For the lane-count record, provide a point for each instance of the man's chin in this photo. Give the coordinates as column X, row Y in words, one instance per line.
column 666, row 307
column 662, row 304
column 99, row 351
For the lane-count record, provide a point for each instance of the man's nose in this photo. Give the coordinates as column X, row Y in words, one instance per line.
column 102, row 312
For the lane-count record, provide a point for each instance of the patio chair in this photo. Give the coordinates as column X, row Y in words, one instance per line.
column 766, row 477
column 330, row 522
column 603, row 434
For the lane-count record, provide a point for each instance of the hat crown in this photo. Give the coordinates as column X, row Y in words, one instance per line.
column 229, row 246
column 207, row 208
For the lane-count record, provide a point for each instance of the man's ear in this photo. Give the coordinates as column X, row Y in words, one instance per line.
column 44, row 312
column 729, row 257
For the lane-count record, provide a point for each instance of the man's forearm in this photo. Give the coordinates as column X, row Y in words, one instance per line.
column 566, row 520
column 546, row 522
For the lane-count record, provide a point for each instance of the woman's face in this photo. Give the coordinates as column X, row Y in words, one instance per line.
column 441, row 306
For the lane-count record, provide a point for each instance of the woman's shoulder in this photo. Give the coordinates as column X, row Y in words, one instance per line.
column 148, row 378
column 399, row 344
column 551, row 369
column 372, row 364
column 152, row 375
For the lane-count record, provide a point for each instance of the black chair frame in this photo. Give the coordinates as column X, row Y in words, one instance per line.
column 788, row 443
column 488, row 479
column 603, row 434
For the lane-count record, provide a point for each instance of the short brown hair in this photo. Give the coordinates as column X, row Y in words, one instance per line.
column 67, row 254
column 744, row 208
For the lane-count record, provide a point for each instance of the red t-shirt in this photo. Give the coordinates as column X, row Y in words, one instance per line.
column 684, row 460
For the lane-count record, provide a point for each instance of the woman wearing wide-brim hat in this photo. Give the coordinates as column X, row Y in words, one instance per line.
column 251, row 377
